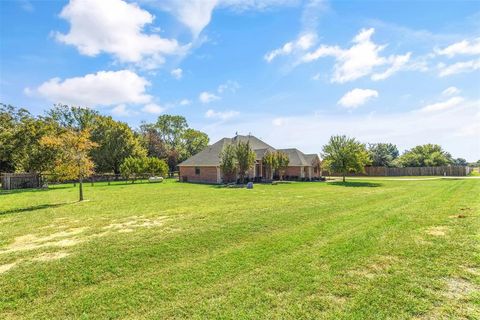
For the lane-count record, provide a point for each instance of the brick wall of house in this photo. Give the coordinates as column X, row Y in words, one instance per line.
column 207, row 174
column 293, row 171
column 316, row 174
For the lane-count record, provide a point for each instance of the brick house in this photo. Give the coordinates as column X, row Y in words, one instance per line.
column 204, row 167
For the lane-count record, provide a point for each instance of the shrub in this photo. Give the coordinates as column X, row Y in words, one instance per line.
column 133, row 168
column 155, row 167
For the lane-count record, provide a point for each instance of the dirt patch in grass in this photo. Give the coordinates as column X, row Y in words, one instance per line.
column 127, row 230
column 32, row 242
column 472, row 270
column 439, row 231
column 51, row 256
column 6, row 267
column 378, row 267
column 458, row 288
column 131, row 223
column 73, row 236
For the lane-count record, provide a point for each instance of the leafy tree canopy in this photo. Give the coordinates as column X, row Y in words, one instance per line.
column 20, row 134
column 171, row 139
column 427, row 155
column 343, row 155
column 71, row 117
column 228, row 163
column 73, row 155
column 383, row 154
column 245, row 158
column 116, row 142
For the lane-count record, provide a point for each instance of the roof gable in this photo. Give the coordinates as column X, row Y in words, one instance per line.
column 210, row 156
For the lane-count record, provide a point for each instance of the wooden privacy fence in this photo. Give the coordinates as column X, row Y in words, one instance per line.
column 409, row 171
column 12, row 181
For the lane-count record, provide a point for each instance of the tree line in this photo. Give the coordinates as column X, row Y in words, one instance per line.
column 345, row 155
column 73, row 142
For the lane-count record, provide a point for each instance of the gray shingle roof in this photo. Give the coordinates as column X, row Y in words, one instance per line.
column 210, row 156
column 296, row 157
column 311, row 157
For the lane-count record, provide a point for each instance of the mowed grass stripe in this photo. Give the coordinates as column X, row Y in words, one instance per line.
column 239, row 252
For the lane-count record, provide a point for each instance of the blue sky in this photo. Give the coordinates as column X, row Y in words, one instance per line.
column 291, row 72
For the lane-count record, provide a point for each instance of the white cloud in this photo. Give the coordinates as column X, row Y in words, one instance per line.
column 196, row 14
column 316, row 77
column 207, row 97
column 361, row 59
column 459, row 67
column 322, row 51
column 357, row 97
column 464, row 47
column 115, row 27
column 221, row 115
column 450, row 91
column 184, row 102
column 439, row 106
column 230, row 85
column 104, row 88
column 278, row 122
column 302, row 43
column 397, row 63
column 177, row 73
column 121, row 111
column 153, row 108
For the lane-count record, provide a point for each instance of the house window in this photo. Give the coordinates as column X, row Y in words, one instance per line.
column 197, row 170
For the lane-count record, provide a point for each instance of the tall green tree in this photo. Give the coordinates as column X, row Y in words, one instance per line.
column 283, row 161
column 343, row 155
column 194, row 141
column 271, row 164
column 245, row 158
column 116, row 141
column 228, row 163
column 73, row 117
column 276, row 161
column 383, row 154
column 171, row 129
column 171, row 139
column 427, row 155
column 20, row 147
column 10, row 119
column 460, row 162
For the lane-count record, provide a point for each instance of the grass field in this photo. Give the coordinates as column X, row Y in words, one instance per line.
column 370, row 249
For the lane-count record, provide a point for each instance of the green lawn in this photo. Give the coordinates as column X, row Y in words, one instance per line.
column 368, row 250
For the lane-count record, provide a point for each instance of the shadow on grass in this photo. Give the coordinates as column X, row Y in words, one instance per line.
column 355, row 184
column 33, row 208
column 5, row 192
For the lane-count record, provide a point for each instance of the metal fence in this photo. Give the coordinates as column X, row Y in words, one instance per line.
column 409, row 171
column 10, row 181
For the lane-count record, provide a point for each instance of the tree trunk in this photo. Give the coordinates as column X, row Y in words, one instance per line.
column 344, row 177
column 80, row 188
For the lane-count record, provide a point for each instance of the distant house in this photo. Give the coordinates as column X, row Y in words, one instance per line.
column 204, row 167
